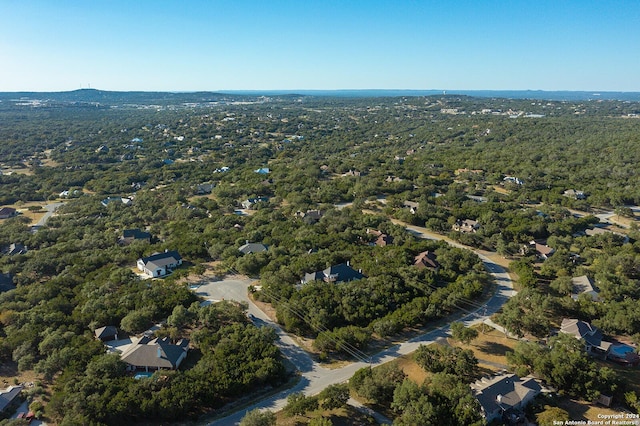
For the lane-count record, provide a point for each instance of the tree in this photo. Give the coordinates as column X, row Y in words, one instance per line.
column 334, row 396
column 320, row 421
column 446, row 359
column 298, row 404
column 463, row 334
column 258, row 417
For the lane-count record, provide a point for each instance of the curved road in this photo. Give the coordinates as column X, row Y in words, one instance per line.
column 314, row 378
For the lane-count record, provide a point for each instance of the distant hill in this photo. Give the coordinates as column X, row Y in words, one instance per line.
column 109, row 98
column 115, row 98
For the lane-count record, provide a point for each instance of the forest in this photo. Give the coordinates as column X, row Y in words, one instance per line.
column 329, row 175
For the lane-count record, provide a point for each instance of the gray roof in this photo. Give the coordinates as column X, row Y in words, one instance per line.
column 136, row 234
column 584, row 330
column 106, row 332
column 157, row 353
column 8, row 395
column 504, row 392
column 583, row 284
column 336, row 273
column 160, row 260
column 252, row 248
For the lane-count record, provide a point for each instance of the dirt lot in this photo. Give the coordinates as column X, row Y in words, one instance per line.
column 490, row 346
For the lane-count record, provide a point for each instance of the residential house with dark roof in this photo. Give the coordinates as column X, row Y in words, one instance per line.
column 9, row 399
column 505, row 396
column 590, row 334
column 310, row 216
column 131, row 235
column 6, row 282
column 426, row 259
column 155, row 354
column 159, row 264
column 16, row 248
column 7, row 212
column 107, row 333
column 334, row 274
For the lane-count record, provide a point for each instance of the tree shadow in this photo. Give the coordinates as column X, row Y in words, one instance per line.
column 494, row 348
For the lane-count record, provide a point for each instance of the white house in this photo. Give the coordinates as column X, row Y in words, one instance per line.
column 159, row 264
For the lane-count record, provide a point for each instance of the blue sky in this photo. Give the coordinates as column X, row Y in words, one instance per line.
column 330, row 44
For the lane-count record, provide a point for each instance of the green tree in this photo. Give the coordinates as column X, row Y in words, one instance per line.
column 258, row 417
column 299, row 405
column 334, row 396
column 462, row 333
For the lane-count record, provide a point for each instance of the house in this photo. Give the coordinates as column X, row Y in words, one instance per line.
column 107, row 333
column 102, row 149
column 9, row 399
column 16, row 248
column 250, row 203
column 590, row 334
column 576, row 195
column 7, row 212
column 252, row 248
column 6, row 282
column 426, row 259
column 310, row 216
column 334, row 274
column 583, row 285
column 155, row 354
column 204, row 188
column 505, row 396
column 116, row 200
column 381, row 239
column 263, row 171
column 542, row 250
column 466, row 226
column 411, row 205
column 159, row 264
column 131, row 235
column 513, row 179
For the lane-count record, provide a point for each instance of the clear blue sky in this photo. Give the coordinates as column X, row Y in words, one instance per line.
column 50, row 45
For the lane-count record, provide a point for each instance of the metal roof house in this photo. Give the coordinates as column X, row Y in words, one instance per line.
column 159, row 264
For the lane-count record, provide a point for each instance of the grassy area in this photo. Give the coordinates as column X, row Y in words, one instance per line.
column 490, row 346
column 582, row 410
column 348, row 416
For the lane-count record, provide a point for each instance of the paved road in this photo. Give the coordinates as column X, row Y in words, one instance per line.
column 50, row 208
column 314, row 378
